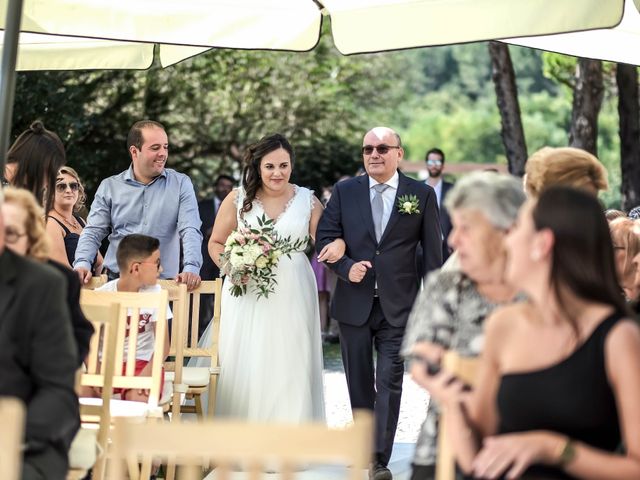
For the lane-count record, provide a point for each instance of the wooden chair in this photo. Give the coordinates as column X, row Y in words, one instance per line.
column 199, row 380
column 173, row 365
column 256, row 446
column 99, row 372
column 465, row 368
column 96, row 282
column 12, row 419
column 124, row 376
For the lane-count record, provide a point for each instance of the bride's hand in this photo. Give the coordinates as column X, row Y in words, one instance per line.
column 333, row 251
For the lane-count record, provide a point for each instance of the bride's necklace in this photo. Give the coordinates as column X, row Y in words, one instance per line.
column 73, row 223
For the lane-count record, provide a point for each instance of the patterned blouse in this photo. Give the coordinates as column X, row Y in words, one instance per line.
column 448, row 311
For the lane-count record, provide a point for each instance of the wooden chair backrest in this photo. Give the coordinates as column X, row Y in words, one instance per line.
column 130, row 304
column 179, row 303
column 190, row 333
column 100, row 369
column 257, row 446
column 12, row 419
column 95, row 282
column 465, row 368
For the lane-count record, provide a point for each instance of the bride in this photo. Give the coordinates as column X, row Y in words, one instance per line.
column 270, row 348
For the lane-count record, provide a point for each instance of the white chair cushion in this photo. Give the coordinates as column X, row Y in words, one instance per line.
column 126, row 408
column 192, row 376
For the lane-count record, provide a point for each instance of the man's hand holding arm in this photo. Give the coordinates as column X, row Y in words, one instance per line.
column 330, row 228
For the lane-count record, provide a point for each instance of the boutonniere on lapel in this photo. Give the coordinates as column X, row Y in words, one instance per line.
column 408, row 204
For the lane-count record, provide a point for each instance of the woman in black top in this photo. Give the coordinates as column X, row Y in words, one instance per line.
column 64, row 225
column 558, row 388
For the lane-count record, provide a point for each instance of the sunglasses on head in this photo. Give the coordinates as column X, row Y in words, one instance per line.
column 62, row 186
column 382, row 149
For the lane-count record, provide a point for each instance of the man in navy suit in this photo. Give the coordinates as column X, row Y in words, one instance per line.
column 208, row 208
column 382, row 217
column 435, row 164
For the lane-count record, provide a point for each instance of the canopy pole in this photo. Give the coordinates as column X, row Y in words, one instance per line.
column 8, row 75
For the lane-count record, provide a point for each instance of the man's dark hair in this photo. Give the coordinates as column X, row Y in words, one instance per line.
column 225, row 177
column 135, row 247
column 135, row 133
column 437, row 151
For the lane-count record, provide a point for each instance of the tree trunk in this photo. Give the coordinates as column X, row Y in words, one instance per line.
column 629, row 113
column 587, row 100
column 504, row 80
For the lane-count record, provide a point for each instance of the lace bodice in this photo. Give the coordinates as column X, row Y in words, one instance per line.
column 293, row 222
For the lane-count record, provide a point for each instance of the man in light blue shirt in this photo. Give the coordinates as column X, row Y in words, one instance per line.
column 146, row 199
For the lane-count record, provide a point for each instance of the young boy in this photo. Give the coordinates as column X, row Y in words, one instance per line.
column 138, row 258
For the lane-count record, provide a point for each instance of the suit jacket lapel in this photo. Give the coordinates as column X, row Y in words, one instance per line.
column 7, row 289
column 364, row 203
column 395, row 215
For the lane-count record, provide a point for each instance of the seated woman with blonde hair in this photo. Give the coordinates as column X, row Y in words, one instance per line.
column 626, row 245
column 567, row 166
column 26, row 236
column 64, row 225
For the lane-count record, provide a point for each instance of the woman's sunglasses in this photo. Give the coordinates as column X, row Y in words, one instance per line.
column 62, row 187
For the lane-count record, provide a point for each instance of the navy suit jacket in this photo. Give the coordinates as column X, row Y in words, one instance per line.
column 445, row 220
column 38, row 358
column 348, row 216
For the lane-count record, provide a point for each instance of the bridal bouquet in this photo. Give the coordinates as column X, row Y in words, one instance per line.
column 251, row 254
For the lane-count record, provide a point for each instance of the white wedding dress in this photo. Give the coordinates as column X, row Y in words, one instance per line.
column 271, row 348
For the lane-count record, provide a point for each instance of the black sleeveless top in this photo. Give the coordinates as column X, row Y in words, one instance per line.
column 70, row 238
column 572, row 397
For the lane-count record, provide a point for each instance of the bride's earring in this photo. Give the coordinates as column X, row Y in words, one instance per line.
column 535, row 255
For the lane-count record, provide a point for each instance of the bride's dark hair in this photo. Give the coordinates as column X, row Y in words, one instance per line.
column 252, row 158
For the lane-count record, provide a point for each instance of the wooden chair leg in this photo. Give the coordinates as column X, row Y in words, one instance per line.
column 213, row 384
column 197, row 400
column 171, row 470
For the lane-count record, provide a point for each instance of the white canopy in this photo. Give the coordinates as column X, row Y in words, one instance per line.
column 618, row 44
column 357, row 26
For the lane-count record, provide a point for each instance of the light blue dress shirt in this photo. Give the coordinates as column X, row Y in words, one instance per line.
column 165, row 209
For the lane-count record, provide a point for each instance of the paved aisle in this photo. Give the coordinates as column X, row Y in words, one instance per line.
column 412, row 412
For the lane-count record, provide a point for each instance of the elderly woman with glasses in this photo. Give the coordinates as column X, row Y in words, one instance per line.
column 450, row 310
column 25, row 235
column 64, row 225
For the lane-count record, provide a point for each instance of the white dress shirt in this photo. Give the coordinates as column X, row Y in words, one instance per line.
column 388, row 196
column 438, row 189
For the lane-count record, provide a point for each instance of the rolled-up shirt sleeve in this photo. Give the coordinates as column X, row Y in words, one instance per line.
column 189, row 228
column 97, row 228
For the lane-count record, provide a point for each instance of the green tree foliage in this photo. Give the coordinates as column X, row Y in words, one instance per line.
column 215, row 104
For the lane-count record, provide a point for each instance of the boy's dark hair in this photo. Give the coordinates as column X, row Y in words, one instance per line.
column 135, row 247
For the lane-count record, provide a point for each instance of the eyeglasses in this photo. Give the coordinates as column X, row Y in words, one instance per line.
column 12, row 236
column 382, row 149
column 62, row 187
column 434, row 162
column 157, row 264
